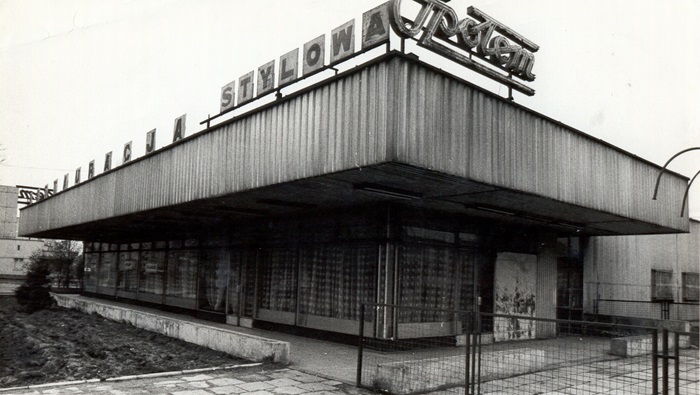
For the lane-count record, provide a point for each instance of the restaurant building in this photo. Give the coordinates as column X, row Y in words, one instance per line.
column 390, row 182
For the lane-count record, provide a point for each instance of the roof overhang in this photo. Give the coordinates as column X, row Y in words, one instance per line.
column 388, row 182
column 423, row 137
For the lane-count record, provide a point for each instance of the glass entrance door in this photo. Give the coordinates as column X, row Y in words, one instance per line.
column 241, row 289
column 569, row 289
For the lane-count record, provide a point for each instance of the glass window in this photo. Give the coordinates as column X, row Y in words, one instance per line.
column 90, row 276
column 128, row 271
column 278, row 281
column 690, row 287
column 336, row 279
column 152, row 269
column 106, row 273
column 433, row 276
column 213, row 276
column 20, row 264
column 241, row 288
column 661, row 285
column 181, row 277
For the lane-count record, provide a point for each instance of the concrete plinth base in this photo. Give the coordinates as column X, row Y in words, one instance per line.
column 411, row 377
column 253, row 348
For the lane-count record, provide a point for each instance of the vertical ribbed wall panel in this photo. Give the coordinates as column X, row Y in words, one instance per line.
column 398, row 110
column 454, row 128
column 546, row 292
column 334, row 127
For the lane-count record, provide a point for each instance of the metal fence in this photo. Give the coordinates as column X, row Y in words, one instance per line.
column 410, row 350
column 658, row 310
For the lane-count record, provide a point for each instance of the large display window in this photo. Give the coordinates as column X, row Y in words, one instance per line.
column 107, row 270
column 90, row 271
column 213, row 279
column 127, row 271
column 437, row 277
column 151, row 275
column 278, row 285
column 181, row 278
column 336, row 279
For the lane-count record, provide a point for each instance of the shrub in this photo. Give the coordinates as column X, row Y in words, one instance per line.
column 33, row 294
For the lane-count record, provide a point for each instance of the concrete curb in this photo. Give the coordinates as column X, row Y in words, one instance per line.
column 132, row 377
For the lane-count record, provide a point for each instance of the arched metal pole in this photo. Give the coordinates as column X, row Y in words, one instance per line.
column 656, row 188
column 685, row 197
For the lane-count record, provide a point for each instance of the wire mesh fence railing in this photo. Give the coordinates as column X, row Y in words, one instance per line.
column 407, row 350
column 658, row 310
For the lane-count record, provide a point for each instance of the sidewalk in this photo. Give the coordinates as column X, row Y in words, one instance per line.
column 261, row 380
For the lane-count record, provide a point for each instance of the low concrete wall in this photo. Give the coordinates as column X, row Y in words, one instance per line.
column 633, row 346
column 671, row 325
column 411, row 377
column 253, row 348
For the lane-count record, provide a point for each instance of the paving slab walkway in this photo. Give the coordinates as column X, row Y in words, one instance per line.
column 263, row 380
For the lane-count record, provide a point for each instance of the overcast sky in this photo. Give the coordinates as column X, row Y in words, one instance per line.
column 81, row 78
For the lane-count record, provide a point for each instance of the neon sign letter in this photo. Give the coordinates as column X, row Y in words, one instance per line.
column 475, row 36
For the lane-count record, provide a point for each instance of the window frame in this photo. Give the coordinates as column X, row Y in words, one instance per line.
column 684, row 286
column 655, row 286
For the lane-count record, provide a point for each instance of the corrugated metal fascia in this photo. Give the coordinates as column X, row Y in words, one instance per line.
column 579, row 170
column 345, row 127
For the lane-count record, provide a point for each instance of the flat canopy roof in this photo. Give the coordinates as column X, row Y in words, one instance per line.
column 394, row 129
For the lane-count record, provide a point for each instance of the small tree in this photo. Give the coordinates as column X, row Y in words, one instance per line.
column 62, row 255
column 33, row 294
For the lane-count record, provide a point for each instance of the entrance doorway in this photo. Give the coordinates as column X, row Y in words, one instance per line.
column 241, row 295
column 569, row 289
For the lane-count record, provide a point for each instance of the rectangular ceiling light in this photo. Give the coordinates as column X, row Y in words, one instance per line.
column 494, row 210
column 388, row 191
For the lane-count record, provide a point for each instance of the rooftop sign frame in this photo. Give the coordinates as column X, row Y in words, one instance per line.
column 475, row 37
column 435, row 28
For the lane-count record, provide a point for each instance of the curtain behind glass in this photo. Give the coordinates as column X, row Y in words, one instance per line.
column 128, row 271
column 213, row 276
column 181, row 276
column 152, row 268
column 106, row 280
column 90, row 278
column 278, row 279
column 439, row 277
column 335, row 279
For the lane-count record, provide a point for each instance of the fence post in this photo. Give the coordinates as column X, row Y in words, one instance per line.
column 360, row 344
column 676, row 357
column 664, row 351
column 467, row 355
column 655, row 363
column 478, row 372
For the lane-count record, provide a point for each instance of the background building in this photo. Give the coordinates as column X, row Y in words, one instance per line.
column 14, row 250
column 651, row 277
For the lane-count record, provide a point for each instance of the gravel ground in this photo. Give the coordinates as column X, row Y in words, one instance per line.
column 59, row 344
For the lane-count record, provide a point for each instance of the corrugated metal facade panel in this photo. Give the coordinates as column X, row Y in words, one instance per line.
column 619, row 267
column 396, row 110
column 335, row 127
column 546, row 294
column 447, row 126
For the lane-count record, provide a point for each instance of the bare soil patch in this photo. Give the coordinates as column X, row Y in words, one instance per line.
column 58, row 344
